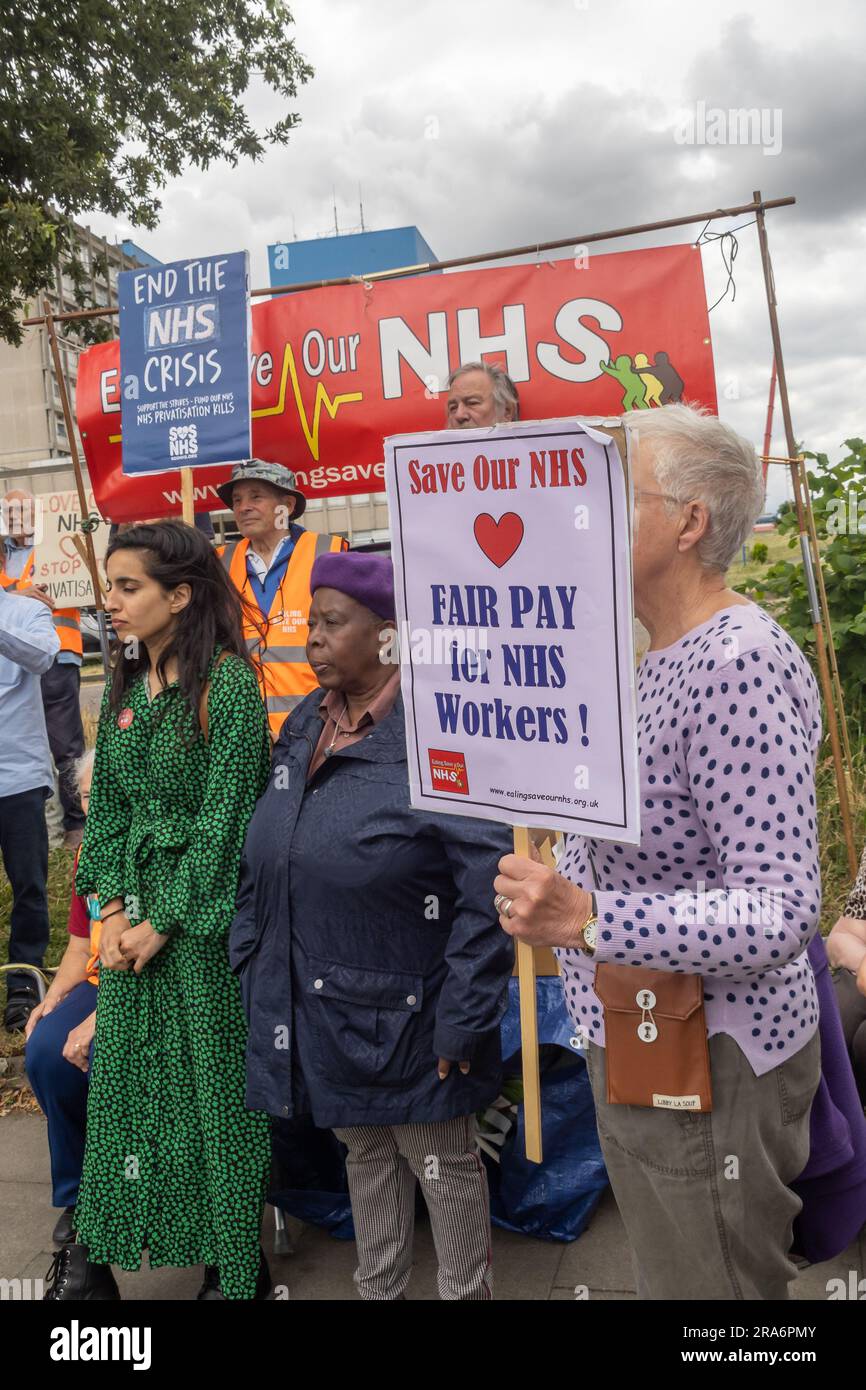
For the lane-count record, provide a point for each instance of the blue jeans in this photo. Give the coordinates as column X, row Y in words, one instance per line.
column 24, row 849
column 61, row 1089
column 60, row 688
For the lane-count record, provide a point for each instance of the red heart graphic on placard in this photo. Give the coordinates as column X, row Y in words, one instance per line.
column 498, row 539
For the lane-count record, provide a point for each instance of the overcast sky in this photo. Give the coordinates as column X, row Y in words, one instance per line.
column 550, row 118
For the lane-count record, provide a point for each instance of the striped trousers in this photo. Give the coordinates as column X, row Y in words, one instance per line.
column 382, row 1167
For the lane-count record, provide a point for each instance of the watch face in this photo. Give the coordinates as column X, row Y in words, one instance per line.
column 590, row 932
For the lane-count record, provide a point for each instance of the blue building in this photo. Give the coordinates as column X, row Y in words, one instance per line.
column 359, row 253
column 135, row 253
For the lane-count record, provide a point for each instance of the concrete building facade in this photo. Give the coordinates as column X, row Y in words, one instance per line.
column 32, row 427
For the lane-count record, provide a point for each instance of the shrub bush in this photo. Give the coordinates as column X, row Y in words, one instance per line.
column 838, row 494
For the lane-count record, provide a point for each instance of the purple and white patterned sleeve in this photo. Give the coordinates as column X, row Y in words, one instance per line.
column 749, row 769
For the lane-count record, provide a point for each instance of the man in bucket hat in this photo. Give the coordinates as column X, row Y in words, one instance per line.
column 270, row 567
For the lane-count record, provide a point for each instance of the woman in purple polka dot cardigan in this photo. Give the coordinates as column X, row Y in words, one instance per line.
column 724, row 884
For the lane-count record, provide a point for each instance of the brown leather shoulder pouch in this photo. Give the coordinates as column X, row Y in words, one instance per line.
column 655, row 1038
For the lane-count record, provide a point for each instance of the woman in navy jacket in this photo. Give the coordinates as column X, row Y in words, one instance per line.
column 368, row 949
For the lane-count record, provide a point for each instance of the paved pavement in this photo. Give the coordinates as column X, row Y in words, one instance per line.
column 91, row 696
column 598, row 1265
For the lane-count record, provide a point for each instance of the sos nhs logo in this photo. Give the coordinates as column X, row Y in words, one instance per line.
column 448, row 771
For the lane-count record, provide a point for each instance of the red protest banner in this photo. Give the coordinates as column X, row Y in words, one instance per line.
column 336, row 370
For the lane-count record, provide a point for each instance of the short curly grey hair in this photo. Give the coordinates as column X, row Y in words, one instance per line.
column 697, row 457
column 504, row 390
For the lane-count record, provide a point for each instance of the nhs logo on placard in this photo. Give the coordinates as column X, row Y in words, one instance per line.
column 176, row 325
column 183, row 441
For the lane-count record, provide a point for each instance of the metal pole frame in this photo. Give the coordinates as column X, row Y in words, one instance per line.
column 425, row 268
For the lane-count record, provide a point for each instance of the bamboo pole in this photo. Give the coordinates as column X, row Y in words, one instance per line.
column 78, row 542
column 528, row 1028
column 821, row 648
column 49, row 321
column 768, row 428
column 818, row 574
column 822, row 591
column 426, row 267
column 820, row 616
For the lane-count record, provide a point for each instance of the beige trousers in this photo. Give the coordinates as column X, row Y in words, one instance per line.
column 705, row 1197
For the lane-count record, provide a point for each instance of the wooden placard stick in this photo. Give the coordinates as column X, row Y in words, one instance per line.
column 81, row 547
column 528, row 1028
column 187, row 496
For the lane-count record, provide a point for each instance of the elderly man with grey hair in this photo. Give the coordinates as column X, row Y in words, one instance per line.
column 723, row 886
column 480, row 393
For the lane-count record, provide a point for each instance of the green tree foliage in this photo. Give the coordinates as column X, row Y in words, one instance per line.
column 101, row 102
column 838, row 494
column 760, row 552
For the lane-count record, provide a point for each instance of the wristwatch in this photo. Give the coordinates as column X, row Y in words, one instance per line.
column 588, row 933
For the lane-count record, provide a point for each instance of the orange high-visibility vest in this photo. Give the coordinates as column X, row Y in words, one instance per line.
column 278, row 645
column 67, row 621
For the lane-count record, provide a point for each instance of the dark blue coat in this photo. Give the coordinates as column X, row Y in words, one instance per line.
column 365, row 940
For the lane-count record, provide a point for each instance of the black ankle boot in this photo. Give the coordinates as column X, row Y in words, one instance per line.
column 73, row 1278
column 64, row 1231
column 210, row 1290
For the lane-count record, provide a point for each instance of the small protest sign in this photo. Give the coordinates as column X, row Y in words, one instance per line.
column 513, row 576
column 184, row 364
column 58, row 563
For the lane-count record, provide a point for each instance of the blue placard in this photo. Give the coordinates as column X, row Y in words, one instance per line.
column 185, row 364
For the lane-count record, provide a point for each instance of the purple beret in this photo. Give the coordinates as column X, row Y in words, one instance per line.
column 369, row 579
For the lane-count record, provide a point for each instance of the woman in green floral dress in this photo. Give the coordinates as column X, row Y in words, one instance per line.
column 174, row 1163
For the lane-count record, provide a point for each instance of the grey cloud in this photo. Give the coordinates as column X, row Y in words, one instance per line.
column 818, row 86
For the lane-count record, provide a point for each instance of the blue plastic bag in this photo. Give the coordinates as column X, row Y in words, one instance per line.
column 552, row 1200
column 308, row 1176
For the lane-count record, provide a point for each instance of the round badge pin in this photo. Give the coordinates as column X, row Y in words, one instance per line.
column 125, row 718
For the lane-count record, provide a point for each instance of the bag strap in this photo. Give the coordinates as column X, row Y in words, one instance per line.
column 203, row 702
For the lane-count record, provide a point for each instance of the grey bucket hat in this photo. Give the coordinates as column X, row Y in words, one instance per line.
column 273, row 473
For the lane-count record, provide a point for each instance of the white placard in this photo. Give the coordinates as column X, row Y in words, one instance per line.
column 512, row 562
column 57, row 564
